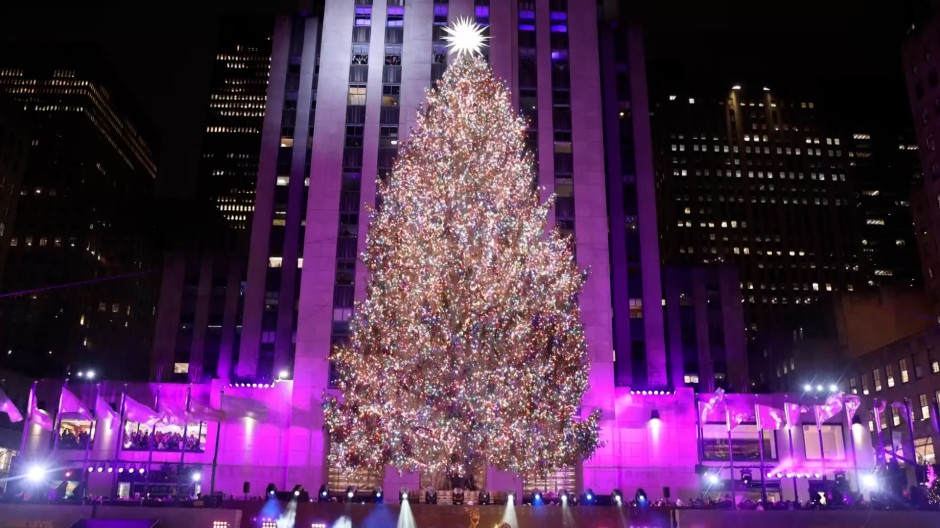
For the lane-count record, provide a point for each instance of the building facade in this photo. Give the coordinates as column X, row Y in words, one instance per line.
column 81, row 252
column 346, row 81
column 761, row 182
column 250, row 447
column 14, row 151
column 199, row 317
column 229, row 167
column 884, row 170
column 810, row 351
column 635, row 290
column 705, row 327
column 919, row 63
column 905, row 375
column 757, row 181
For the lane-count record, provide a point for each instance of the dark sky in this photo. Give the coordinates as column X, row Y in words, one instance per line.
column 847, row 51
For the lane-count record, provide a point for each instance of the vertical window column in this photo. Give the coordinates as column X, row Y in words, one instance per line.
column 528, row 77
column 438, row 44
column 344, row 287
column 481, row 11
column 561, row 117
column 391, row 90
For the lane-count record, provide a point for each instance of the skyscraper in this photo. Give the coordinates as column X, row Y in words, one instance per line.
column 920, row 62
column 81, row 254
column 755, row 180
column 14, row 151
column 636, row 292
column 344, row 88
column 232, row 140
column 884, row 168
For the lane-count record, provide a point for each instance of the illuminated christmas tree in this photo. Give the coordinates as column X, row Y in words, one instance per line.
column 469, row 346
column 933, row 486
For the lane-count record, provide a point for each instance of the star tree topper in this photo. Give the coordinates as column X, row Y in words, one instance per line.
column 465, row 37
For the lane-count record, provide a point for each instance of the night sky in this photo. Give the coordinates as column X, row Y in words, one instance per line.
column 845, row 54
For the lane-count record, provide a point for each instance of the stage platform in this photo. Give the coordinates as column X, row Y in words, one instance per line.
column 272, row 514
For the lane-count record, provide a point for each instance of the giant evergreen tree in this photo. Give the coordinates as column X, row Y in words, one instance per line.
column 469, row 346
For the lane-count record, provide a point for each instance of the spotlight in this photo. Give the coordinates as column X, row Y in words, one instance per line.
column 458, row 496
column 833, row 387
column 350, row 493
column 196, row 476
column 300, row 494
column 819, row 388
column 100, row 469
column 377, row 496
column 403, row 495
column 564, row 497
column 324, row 494
column 36, row 474
column 271, row 490
column 483, row 497
column 807, row 387
column 870, row 481
column 641, row 498
column 90, row 469
column 141, row 471
column 712, row 478
column 430, row 495
column 617, row 495
column 90, row 374
column 536, row 497
column 654, row 416
column 110, row 470
column 511, row 496
column 589, row 496
column 283, row 374
column 746, row 477
column 121, row 469
column 68, row 474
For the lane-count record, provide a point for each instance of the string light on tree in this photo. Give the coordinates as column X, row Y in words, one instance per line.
column 469, row 346
column 465, row 37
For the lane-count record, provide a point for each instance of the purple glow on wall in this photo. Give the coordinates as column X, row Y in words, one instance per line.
column 440, row 9
column 482, row 11
column 527, row 15
column 526, row 27
column 559, row 28
column 559, row 15
column 396, row 10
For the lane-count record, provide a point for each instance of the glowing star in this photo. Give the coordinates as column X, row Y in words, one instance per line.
column 465, row 37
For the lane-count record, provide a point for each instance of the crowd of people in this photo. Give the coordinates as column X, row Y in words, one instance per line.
column 162, row 441
column 72, row 439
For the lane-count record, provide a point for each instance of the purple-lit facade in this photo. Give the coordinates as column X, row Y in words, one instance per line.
column 255, row 444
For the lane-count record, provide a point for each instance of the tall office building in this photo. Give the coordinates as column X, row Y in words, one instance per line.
column 14, row 151
column 636, row 292
column 81, row 252
column 884, row 168
column 229, row 166
column 199, row 316
column 705, row 327
column 751, row 179
column 344, row 89
column 920, row 62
